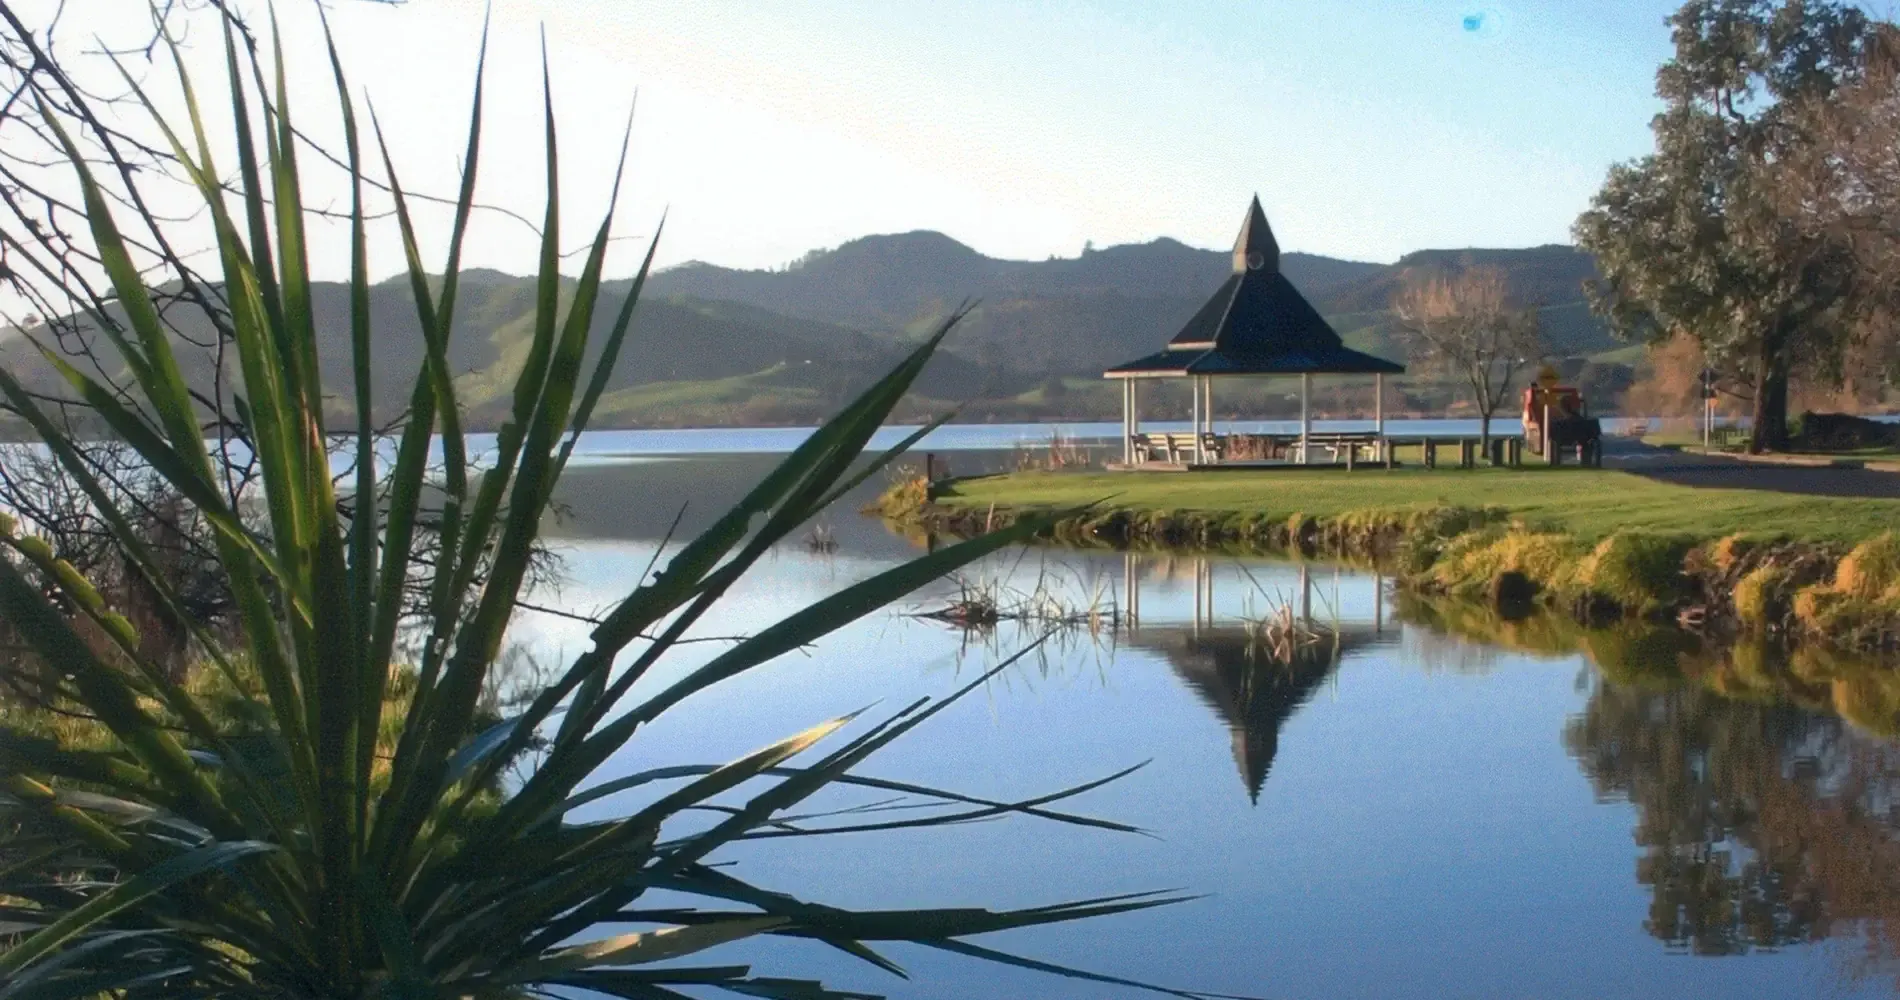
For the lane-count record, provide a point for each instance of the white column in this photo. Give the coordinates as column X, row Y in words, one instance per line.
column 1127, row 446
column 1207, row 404
column 1194, row 420
column 1378, row 412
column 1306, row 417
column 1134, row 413
column 1132, row 419
column 1378, row 403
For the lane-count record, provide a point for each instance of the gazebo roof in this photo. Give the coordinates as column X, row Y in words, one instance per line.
column 1257, row 323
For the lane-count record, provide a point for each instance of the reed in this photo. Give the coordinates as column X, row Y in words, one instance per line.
column 375, row 834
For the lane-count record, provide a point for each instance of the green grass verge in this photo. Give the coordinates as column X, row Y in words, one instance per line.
column 1586, row 503
column 1866, row 454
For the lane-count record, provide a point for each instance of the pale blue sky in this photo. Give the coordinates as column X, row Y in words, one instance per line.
column 1369, row 129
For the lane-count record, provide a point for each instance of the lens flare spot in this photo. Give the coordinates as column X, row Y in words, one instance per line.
column 1483, row 23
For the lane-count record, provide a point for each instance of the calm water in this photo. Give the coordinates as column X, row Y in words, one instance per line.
column 1419, row 815
column 978, row 437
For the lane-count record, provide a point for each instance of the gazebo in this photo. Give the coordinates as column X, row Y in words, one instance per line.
column 1257, row 324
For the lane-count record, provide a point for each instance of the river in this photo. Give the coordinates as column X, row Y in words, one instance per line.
column 1399, row 808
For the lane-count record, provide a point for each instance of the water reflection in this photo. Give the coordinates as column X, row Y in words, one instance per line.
column 1449, row 802
column 1765, row 781
column 1249, row 688
column 1729, row 797
column 1253, row 651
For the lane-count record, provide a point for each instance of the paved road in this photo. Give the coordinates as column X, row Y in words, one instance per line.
column 1727, row 473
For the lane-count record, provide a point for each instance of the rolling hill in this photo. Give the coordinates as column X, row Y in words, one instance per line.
column 714, row 345
column 1076, row 316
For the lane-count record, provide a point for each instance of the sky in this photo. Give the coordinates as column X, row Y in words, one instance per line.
column 1025, row 130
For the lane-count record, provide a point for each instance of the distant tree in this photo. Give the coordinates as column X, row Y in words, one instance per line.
column 1605, row 384
column 1694, row 238
column 1464, row 328
column 1671, row 383
column 1054, row 389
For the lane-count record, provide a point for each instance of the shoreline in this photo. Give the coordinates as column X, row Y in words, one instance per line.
column 1830, row 593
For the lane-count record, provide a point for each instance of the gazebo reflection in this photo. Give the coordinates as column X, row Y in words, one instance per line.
column 1253, row 672
column 1253, row 693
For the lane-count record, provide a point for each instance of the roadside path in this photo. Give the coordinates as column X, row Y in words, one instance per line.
column 1685, row 469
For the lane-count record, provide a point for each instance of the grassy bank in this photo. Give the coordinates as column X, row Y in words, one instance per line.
column 1587, row 503
column 1594, row 542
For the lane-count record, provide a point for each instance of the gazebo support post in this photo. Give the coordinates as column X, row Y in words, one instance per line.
column 1194, row 416
column 1199, row 411
column 1378, row 414
column 1137, row 452
column 1306, row 418
column 1128, row 436
column 1207, row 408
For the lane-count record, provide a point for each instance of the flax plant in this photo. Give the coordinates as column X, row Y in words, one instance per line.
column 335, row 856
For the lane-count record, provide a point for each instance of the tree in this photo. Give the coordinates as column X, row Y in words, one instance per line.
column 1671, row 383
column 1844, row 186
column 1464, row 328
column 1692, row 238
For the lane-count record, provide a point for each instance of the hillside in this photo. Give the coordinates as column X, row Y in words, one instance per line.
column 1076, row 316
column 799, row 370
column 896, row 281
column 714, row 345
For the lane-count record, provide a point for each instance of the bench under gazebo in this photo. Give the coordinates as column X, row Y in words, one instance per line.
column 1257, row 325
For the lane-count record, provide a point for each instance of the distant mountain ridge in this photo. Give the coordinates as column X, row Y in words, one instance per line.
column 893, row 279
column 716, row 345
column 1074, row 316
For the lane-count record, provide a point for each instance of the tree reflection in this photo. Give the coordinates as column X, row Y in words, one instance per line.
column 1766, row 782
column 1762, row 823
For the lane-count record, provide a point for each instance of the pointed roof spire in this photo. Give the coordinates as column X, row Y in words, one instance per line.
column 1256, row 323
column 1255, row 249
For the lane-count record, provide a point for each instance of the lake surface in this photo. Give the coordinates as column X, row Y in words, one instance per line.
column 985, row 437
column 1394, row 812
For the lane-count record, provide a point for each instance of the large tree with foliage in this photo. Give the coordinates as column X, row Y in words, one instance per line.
column 1845, row 187
column 1693, row 238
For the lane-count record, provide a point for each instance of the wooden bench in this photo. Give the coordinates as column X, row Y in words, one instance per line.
column 1348, row 443
column 1175, row 447
column 1505, row 449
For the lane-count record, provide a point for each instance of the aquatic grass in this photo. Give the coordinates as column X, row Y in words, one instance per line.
column 1637, row 570
column 1472, row 562
column 1762, row 596
column 1860, row 606
column 373, row 833
column 1872, row 569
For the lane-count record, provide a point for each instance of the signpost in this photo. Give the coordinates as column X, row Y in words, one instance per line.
column 1708, row 407
column 1547, row 382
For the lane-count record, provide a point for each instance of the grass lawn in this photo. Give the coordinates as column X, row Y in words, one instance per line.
column 1590, row 503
